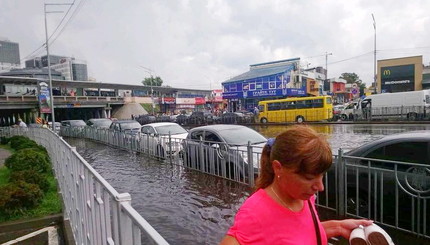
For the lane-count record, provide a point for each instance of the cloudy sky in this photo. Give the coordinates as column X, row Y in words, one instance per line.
column 199, row 44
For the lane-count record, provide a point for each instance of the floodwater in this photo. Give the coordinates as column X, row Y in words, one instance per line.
column 189, row 207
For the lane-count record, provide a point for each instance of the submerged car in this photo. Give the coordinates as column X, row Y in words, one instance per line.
column 165, row 138
column 388, row 178
column 72, row 127
column 223, row 150
column 99, row 122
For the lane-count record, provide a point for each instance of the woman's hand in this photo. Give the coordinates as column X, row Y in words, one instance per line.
column 344, row 227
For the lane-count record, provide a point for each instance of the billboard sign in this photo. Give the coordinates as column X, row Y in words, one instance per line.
column 44, row 98
column 398, row 78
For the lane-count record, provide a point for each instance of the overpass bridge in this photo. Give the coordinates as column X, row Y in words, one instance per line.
column 75, row 99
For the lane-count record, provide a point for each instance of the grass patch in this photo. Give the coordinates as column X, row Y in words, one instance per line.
column 148, row 108
column 4, row 176
column 51, row 203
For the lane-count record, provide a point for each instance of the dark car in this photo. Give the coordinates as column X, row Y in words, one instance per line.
column 223, row 150
column 99, row 122
column 145, row 119
column 200, row 117
column 232, row 118
column 389, row 178
column 182, row 119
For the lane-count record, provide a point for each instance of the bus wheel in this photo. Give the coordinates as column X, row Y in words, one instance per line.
column 263, row 120
column 300, row 119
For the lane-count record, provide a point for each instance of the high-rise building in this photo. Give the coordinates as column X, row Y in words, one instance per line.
column 72, row 69
column 9, row 55
column 33, row 63
column 54, row 59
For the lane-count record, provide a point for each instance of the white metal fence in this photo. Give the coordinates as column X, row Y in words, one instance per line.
column 392, row 193
column 98, row 213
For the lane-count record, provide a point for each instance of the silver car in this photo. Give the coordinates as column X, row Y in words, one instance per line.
column 223, row 150
column 155, row 137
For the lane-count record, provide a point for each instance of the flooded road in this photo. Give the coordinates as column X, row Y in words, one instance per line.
column 188, row 207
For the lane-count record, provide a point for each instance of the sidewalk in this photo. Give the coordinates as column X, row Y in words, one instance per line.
column 3, row 155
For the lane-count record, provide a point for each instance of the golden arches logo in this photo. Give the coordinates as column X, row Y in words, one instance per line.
column 387, row 72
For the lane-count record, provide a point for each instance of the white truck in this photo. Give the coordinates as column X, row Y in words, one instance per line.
column 411, row 105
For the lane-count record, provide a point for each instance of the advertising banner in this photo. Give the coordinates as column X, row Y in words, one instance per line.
column 398, row 78
column 44, row 98
column 168, row 100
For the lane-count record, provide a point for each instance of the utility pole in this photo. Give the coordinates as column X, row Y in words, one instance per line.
column 49, row 60
column 149, row 71
column 374, row 56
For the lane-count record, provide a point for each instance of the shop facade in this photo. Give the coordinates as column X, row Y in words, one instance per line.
column 272, row 80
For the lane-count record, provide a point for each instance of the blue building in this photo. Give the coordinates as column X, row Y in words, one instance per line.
column 271, row 80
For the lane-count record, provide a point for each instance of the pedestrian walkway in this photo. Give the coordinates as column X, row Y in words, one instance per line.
column 3, row 155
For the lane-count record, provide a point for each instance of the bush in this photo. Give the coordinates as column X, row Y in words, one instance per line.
column 17, row 141
column 18, row 196
column 31, row 177
column 4, row 140
column 27, row 159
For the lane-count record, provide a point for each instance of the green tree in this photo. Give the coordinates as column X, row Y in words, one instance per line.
column 153, row 81
column 351, row 78
column 354, row 78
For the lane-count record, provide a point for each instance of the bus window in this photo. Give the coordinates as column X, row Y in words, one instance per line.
column 317, row 103
column 328, row 100
column 261, row 108
column 273, row 106
column 300, row 104
column 291, row 105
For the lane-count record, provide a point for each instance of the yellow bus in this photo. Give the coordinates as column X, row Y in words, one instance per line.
column 298, row 109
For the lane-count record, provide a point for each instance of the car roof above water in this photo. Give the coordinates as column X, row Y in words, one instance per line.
column 410, row 136
column 218, row 127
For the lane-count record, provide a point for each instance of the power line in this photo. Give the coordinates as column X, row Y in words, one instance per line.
column 354, row 57
column 38, row 50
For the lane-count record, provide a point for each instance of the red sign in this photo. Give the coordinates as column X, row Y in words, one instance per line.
column 168, row 100
column 200, row 101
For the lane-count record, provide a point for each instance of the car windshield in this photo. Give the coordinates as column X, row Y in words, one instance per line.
column 241, row 136
column 173, row 129
column 102, row 123
column 77, row 123
column 130, row 126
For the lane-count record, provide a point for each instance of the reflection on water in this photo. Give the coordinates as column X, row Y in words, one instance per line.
column 188, row 207
column 348, row 136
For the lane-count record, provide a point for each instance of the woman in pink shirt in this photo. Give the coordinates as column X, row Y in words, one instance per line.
column 282, row 210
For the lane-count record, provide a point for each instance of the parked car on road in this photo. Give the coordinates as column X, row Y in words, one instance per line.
column 233, row 118
column 377, row 188
column 222, row 150
column 72, row 127
column 145, row 119
column 99, row 122
column 129, row 128
column 200, row 117
column 155, row 137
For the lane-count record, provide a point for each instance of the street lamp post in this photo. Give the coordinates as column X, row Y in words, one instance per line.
column 152, row 85
column 49, row 60
column 374, row 55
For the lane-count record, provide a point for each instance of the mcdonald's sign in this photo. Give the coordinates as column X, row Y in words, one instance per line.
column 398, row 78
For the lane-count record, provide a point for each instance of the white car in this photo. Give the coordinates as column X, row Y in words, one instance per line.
column 155, row 138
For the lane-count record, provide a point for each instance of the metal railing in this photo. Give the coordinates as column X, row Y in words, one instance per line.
column 392, row 193
column 238, row 163
column 396, row 194
column 98, row 213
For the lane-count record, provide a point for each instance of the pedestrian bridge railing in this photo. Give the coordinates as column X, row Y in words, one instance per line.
column 98, row 214
column 396, row 194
